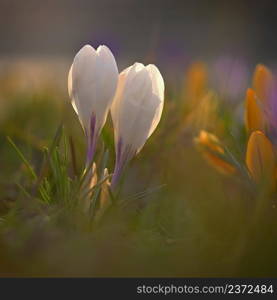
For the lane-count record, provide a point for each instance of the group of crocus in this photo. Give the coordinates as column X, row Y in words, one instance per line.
column 134, row 98
column 260, row 156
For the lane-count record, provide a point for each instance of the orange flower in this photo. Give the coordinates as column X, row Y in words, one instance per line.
column 260, row 159
column 254, row 117
column 263, row 83
column 196, row 82
column 219, row 164
column 210, row 141
column 213, row 152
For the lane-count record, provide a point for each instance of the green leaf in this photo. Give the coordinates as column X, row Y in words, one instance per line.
column 95, row 195
column 22, row 157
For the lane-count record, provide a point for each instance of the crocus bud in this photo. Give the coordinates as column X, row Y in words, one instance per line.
column 254, row 112
column 196, row 83
column 92, row 83
column 136, row 111
column 214, row 153
column 204, row 113
column 104, row 201
column 263, row 83
column 260, row 159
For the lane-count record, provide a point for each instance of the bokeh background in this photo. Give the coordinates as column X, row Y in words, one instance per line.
column 169, row 33
column 202, row 29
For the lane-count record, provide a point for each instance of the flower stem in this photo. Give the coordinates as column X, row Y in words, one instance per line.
column 92, row 136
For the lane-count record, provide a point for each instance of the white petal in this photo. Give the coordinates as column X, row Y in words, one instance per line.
column 138, row 104
column 92, row 83
column 70, row 90
column 82, row 82
column 108, row 78
column 158, row 94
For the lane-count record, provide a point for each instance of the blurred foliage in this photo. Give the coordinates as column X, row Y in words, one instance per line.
column 174, row 216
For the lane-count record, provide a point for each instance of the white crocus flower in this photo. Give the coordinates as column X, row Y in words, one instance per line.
column 136, row 111
column 92, row 82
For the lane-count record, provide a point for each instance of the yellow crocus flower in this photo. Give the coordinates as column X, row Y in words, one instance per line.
column 260, row 159
column 262, row 83
column 254, row 117
column 196, row 83
column 213, row 152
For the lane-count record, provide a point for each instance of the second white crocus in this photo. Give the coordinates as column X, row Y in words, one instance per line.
column 92, row 83
column 136, row 111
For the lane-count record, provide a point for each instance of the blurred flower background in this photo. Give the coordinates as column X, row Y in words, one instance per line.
column 199, row 199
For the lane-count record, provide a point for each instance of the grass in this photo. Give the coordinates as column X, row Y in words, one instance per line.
column 174, row 216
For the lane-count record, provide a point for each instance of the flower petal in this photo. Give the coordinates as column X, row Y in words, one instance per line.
column 254, row 117
column 260, row 158
column 92, row 84
column 262, row 83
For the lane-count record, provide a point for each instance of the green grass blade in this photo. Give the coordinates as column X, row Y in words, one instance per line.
column 22, row 157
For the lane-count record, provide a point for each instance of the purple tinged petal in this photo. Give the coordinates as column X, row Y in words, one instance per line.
column 92, row 136
column 123, row 155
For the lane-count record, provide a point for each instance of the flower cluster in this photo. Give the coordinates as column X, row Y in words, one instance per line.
column 260, row 127
column 134, row 97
